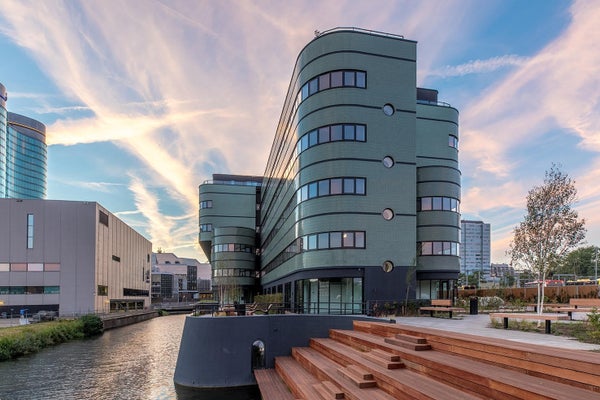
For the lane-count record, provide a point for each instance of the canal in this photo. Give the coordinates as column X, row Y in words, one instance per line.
column 132, row 362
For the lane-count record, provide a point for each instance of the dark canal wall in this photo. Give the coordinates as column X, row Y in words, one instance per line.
column 216, row 352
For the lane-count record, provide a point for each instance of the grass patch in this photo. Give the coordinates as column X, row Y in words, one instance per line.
column 16, row 341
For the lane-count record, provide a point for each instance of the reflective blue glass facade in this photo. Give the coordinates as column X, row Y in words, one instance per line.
column 23, row 154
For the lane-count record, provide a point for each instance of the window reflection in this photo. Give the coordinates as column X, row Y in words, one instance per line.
column 334, row 79
column 438, row 204
column 332, row 133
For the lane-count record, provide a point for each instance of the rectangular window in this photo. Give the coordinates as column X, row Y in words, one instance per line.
column 348, row 185
column 359, row 240
column 426, row 204
column 349, row 78
column 360, row 133
column 51, row 267
column 312, row 190
column 337, row 133
column 18, row 267
column 324, row 82
column 437, row 203
column 323, row 240
column 312, row 242
column 4, row 267
column 324, row 134
column 335, row 240
column 313, row 87
column 336, row 186
column 304, row 192
column 312, row 138
column 360, row 186
column 103, row 218
column 51, row 289
column 324, row 187
column 115, row 258
column 348, row 239
column 349, row 132
column 437, row 248
column 446, row 204
column 426, row 248
column 305, row 91
column 30, row 231
column 337, row 79
column 361, row 79
column 35, row 267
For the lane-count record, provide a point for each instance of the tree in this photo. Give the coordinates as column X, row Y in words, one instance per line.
column 550, row 228
column 579, row 262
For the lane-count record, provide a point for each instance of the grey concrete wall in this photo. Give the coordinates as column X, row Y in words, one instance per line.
column 216, row 352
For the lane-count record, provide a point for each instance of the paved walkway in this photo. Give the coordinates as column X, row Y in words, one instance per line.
column 480, row 325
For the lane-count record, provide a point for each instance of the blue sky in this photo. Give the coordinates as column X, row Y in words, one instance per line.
column 143, row 100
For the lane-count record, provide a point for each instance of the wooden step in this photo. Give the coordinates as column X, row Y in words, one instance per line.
column 325, row 368
column 471, row 375
column 411, row 338
column 408, row 345
column 382, row 358
column 400, row 383
column 328, row 391
column 298, row 380
column 271, row 385
column 358, row 376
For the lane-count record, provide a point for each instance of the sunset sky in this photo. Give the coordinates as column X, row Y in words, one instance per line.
column 144, row 100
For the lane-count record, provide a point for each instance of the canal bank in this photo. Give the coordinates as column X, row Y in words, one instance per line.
column 120, row 319
column 133, row 362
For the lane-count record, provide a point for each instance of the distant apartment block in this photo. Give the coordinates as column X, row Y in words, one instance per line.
column 475, row 248
column 176, row 278
column 23, row 154
column 360, row 199
column 72, row 257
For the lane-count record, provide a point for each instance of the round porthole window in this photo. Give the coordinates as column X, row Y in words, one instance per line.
column 388, row 110
column 387, row 214
column 387, row 266
column 388, row 162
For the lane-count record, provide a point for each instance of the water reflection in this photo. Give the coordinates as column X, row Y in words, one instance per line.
column 133, row 362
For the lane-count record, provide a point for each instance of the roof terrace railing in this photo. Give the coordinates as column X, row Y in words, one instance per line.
column 361, row 30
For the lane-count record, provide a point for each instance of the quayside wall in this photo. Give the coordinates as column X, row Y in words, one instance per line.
column 217, row 352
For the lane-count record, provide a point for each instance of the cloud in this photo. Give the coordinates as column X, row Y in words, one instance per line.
column 480, row 66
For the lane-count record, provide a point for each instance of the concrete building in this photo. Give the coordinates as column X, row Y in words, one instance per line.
column 176, row 278
column 475, row 249
column 23, row 154
column 360, row 198
column 70, row 256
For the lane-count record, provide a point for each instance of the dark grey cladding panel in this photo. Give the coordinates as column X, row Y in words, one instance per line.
column 215, row 352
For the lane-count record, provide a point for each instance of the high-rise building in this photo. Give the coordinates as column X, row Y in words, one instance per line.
column 359, row 202
column 475, row 249
column 23, row 154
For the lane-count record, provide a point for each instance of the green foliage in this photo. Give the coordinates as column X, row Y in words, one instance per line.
column 163, row 313
column 579, row 262
column 274, row 298
column 92, row 325
column 21, row 340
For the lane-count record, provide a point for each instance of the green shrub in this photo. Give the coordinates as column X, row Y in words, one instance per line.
column 92, row 325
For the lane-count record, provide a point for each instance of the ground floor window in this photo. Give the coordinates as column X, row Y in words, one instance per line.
column 329, row 296
column 435, row 289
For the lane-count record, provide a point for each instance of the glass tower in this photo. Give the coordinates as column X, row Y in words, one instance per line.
column 23, row 154
column 26, row 158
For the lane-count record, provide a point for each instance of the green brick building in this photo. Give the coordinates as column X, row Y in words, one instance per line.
column 360, row 199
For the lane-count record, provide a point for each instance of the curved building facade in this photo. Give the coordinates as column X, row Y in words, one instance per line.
column 23, row 154
column 360, row 198
column 26, row 158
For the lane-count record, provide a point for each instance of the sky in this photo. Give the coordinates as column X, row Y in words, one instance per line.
column 144, row 100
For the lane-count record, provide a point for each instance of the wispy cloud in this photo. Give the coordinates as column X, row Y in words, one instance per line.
column 480, row 66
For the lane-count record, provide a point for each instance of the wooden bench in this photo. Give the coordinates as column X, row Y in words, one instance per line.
column 577, row 305
column 547, row 318
column 441, row 305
